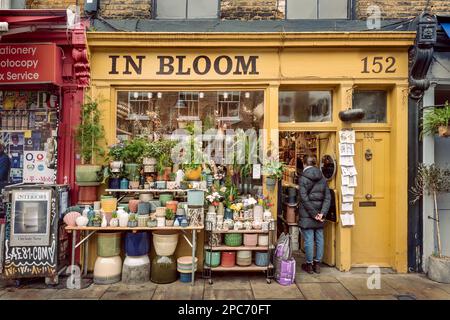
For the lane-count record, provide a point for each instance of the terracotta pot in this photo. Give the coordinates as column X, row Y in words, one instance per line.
column 444, row 131
column 166, row 174
column 133, row 205
column 87, row 194
column 228, row 259
column 172, row 205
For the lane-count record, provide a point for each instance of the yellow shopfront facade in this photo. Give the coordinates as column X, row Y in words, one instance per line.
column 274, row 64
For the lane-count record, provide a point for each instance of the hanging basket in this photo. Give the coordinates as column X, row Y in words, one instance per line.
column 352, row 115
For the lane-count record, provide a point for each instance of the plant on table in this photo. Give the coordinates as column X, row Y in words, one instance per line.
column 437, row 120
column 97, row 221
column 170, row 216
column 432, row 180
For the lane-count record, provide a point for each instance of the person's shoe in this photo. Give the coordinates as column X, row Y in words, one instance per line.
column 308, row 267
column 316, row 267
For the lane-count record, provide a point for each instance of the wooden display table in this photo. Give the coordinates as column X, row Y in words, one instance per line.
column 89, row 231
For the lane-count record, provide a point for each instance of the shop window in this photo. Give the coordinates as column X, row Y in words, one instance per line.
column 27, row 120
column 141, row 113
column 317, row 9
column 187, row 9
column 374, row 103
column 305, row 106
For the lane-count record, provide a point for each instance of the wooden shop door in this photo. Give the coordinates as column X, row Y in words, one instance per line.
column 371, row 240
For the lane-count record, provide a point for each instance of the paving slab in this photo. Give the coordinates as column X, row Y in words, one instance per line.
column 419, row 287
column 325, row 291
column 120, row 286
column 94, row 291
column 27, row 294
column 357, row 285
column 128, row 295
column 227, row 294
column 376, row 297
column 303, row 277
column 180, row 291
column 263, row 290
column 234, row 282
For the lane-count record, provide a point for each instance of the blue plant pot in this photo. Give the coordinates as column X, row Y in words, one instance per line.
column 195, row 197
column 143, row 208
column 124, row 184
column 261, row 259
column 114, row 183
column 137, row 244
column 185, row 277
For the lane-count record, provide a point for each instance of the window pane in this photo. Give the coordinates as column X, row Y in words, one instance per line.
column 304, row 106
column 333, row 9
column 374, row 103
column 301, row 9
column 202, row 9
column 171, row 9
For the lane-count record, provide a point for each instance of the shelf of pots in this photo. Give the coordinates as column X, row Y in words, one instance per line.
column 90, row 137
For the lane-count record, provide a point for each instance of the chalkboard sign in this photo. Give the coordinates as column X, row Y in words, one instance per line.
column 31, row 237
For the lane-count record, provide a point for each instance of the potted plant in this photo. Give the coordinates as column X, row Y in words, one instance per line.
column 115, row 154
column 154, row 151
column 170, row 217
column 432, row 180
column 97, row 221
column 437, row 121
column 133, row 154
column 273, row 170
column 114, row 222
column 192, row 165
column 90, row 136
column 134, row 181
column 132, row 221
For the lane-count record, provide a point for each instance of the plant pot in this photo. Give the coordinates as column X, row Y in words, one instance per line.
column 171, row 204
column 87, row 194
column 152, row 223
column 270, row 183
column 164, row 269
column 114, row 183
column 124, row 184
column 108, row 244
column 114, row 222
column 195, row 197
column 228, row 214
column 439, row 269
column 261, row 258
column 109, row 204
column 167, row 172
column 291, row 214
column 165, row 244
column 444, row 131
column 137, row 244
column 233, row 239
column 97, row 224
column 250, row 239
column 133, row 205
column 244, row 258
column 169, row 223
column 87, row 173
column 161, row 184
column 212, row 258
column 142, row 220
column 107, row 270
column 136, row 269
column 132, row 224
column 184, row 185
column 164, row 198
column 160, row 212
column 228, row 259
column 131, row 170
column 116, row 166
column 143, row 208
column 351, row 115
column 160, row 222
column 134, row 185
column 193, row 174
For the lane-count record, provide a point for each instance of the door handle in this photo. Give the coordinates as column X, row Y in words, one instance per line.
column 368, row 155
column 368, row 196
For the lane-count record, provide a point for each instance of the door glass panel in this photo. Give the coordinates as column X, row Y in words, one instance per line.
column 304, row 106
column 202, row 9
column 374, row 103
column 301, row 9
column 333, row 9
column 171, row 9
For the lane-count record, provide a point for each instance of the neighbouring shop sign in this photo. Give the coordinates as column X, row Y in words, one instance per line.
column 30, row 63
column 184, row 65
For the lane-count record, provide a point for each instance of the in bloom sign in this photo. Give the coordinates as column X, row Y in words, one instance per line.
column 30, row 63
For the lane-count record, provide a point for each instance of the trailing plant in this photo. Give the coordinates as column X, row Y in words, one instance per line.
column 134, row 150
column 431, row 180
column 90, row 134
column 435, row 118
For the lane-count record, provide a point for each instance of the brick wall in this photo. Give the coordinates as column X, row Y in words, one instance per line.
column 252, row 9
column 52, row 4
column 401, row 9
column 126, row 9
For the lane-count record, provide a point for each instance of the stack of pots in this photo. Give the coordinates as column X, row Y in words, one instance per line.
column 136, row 267
column 143, row 213
column 164, row 266
column 160, row 216
column 108, row 266
column 184, row 267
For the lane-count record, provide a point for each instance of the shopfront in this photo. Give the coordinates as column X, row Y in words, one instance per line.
column 291, row 85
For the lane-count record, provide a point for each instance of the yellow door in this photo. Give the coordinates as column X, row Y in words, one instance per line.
column 371, row 241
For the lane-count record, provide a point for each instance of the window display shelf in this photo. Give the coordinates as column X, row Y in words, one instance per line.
column 243, row 248
column 134, row 229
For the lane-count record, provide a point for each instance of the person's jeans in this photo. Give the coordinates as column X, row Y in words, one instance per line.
column 312, row 236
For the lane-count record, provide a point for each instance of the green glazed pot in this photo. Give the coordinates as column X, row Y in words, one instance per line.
column 131, row 170
column 108, row 244
column 233, row 239
column 212, row 259
column 87, row 173
column 164, row 197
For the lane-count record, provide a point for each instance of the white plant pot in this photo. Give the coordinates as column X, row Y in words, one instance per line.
column 123, row 220
column 165, row 244
column 116, row 166
column 82, row 221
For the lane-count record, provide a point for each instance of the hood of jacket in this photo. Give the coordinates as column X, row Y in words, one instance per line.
column 313, row 174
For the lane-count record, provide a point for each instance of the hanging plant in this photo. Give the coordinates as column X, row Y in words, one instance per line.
column 437, row 121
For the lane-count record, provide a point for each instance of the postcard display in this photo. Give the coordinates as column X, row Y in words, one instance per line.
column 349, row 174
column 28, row 122
column 32, row 242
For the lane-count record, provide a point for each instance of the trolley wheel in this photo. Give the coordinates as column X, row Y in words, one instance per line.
column 210, row 281
column 269, row 281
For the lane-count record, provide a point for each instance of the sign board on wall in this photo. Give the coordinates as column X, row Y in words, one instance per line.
column 30, row 63
column 35, row 169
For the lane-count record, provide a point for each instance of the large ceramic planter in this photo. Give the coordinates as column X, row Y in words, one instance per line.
column 212, row 258
column 114, row 183
column 107, row 270
column 108, row 244
column 195, row 197
column 163, row 269
column 109, row 204
column 439, row 269
column 193, row 174
column 444, row 131
column 165, row 244
column 136, row 270
column 233, row 239
column 87, row 173
column 261, row 258
column 136, row 244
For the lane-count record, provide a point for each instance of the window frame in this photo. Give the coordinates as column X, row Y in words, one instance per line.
column 351, row 12
column 387, row 93
column 155, row 10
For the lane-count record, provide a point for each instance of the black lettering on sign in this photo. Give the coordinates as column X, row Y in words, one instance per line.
column 180, row 66
column 129, row 61
column 379, row 64
column 165, row 65
column 251, row 62
column 207, row 65
column 229, row 65
column 114, row 64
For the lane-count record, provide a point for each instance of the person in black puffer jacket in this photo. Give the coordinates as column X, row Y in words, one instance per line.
column 314, row 205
